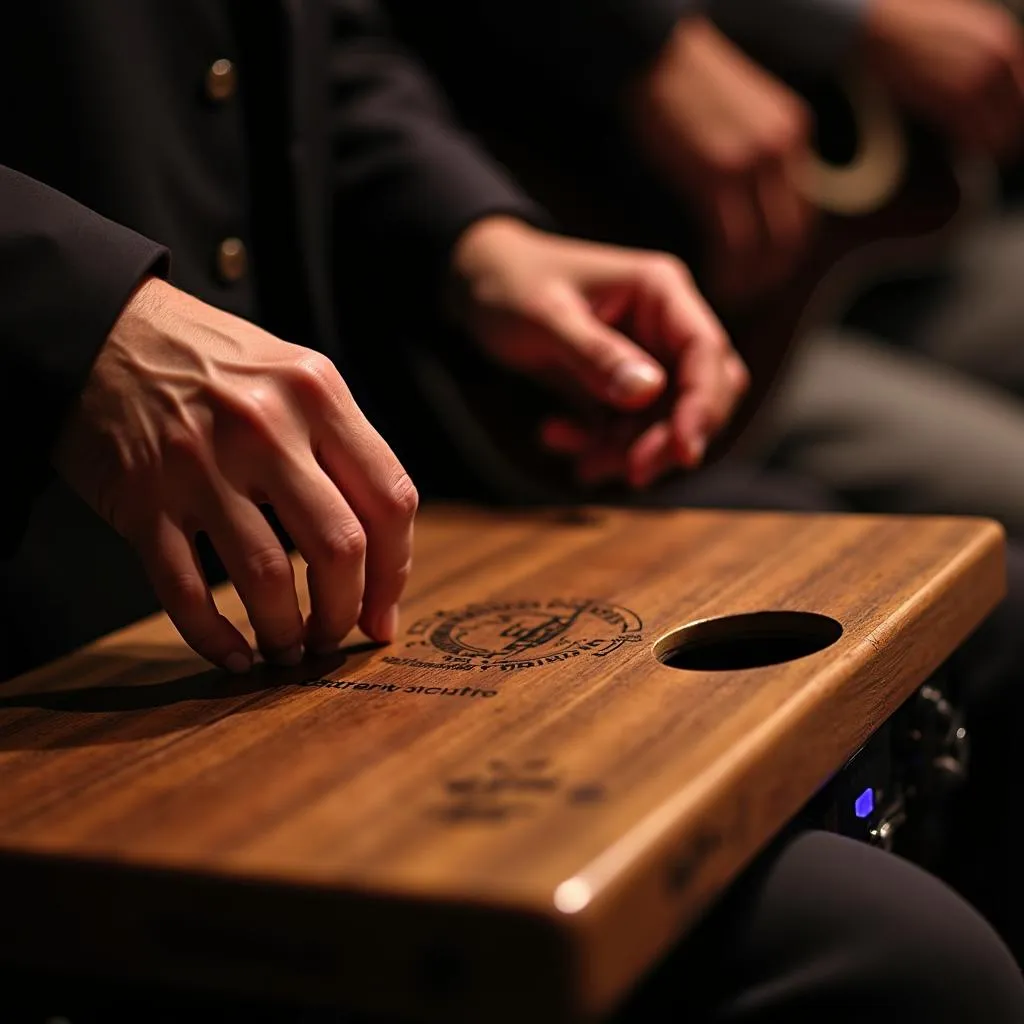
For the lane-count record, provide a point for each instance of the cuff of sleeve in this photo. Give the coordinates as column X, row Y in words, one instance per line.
column 67, row 278
column 814, row 34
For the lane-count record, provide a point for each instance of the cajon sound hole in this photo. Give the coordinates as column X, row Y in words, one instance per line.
column 753, row 640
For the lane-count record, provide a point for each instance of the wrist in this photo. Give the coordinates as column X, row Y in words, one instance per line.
column 143, row 304
column 484, row 237
column 659, row 83
column 479, row 250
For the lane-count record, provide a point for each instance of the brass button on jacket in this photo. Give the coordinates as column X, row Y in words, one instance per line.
column 232, row 260
column 221, row 80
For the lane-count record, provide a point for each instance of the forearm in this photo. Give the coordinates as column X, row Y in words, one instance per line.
column 407, row 179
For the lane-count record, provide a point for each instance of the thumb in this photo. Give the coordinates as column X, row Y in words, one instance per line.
column 606, row 363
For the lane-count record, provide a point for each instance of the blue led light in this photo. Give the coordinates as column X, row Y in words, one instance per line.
column 865, row 803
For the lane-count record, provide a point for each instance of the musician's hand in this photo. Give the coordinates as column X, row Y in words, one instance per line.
column 551, row 308
column 190, row 419
column 733, row 140
column 959, row 63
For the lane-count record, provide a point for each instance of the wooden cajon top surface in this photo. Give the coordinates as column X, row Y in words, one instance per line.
column 517, row 784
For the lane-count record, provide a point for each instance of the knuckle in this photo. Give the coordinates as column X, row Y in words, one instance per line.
column 261, row 409
column 269, row 568
column 315, row 377
column 668, row 268
column 344, row 544
column 403, row 499
column 182, row 590
column 732, row 159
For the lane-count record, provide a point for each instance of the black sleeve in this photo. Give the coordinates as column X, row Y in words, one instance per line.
column 65, row 274
column 407, row 178
column 590, row 48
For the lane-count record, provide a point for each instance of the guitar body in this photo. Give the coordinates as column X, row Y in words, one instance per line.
column 916, row 199
column 919, row 205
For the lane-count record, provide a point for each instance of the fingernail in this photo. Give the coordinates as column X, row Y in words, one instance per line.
column 698, row 447
column 289, row 657
column 388, row 628
column 237, row 663
column 634, row 380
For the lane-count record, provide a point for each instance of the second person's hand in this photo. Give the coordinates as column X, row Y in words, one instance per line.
column 626, row 328
column 734, row 142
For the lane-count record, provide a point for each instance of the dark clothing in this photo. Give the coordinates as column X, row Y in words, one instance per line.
column 56, row 310
column 332, row 141
column 589, row 49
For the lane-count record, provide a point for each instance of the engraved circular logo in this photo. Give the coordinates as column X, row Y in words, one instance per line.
column 510, row 635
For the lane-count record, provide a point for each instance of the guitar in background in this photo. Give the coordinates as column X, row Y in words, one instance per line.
column 891, row 197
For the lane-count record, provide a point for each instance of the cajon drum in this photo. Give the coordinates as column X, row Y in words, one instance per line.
column 573, row 747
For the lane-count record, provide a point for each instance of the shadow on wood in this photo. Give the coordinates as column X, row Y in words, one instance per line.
column 96, row 715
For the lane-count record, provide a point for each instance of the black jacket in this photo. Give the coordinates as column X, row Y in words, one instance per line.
column 332, row 158
column 324, row 145
column 539, row 67
column 590, row 49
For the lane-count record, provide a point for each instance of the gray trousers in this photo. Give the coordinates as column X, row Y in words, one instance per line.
column 934, row 422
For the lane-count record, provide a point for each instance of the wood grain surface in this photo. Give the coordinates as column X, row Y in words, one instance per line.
column 513, row 809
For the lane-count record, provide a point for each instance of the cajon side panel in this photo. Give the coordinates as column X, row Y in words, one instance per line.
column 436, row 961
